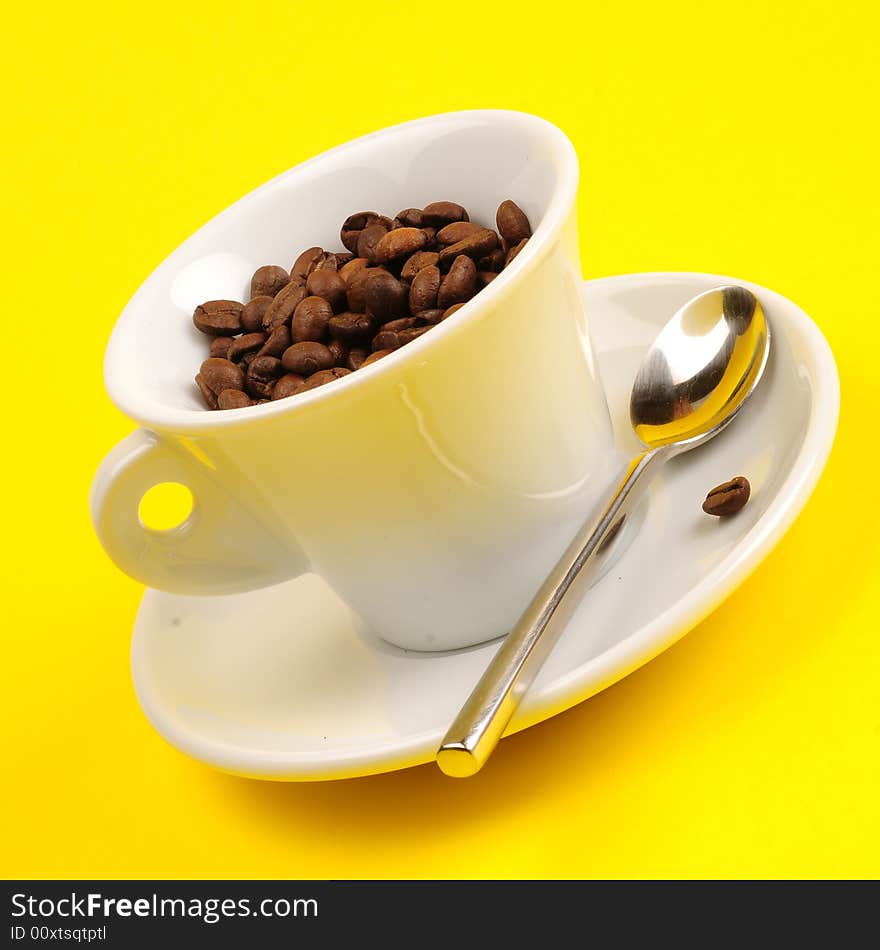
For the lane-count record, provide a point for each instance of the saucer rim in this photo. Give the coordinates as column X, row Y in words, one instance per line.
column 584, row 681
column 747, row 555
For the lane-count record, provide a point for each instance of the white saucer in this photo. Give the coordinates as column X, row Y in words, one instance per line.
column 279, row 684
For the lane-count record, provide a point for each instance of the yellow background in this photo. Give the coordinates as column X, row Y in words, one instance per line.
column 736, row 138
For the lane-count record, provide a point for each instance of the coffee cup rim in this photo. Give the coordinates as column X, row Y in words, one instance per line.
column 156, row 415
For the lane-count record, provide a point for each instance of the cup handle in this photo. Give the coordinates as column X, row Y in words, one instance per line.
column 221, row 548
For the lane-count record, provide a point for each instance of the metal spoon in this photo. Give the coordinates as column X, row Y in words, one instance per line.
column 695, row 378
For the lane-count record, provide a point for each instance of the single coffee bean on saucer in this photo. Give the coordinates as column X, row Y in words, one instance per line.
column 728, row 498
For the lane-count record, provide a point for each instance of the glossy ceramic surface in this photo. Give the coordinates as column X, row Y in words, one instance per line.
column 433, row 490
column 305, row 695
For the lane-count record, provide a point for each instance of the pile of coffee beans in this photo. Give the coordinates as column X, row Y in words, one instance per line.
column 335, row 312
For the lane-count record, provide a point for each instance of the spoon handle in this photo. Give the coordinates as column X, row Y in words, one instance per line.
column 485, row 715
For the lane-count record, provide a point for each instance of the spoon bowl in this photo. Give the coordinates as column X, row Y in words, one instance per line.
column 700, row 370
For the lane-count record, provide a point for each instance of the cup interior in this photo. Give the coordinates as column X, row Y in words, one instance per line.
column 475, row 158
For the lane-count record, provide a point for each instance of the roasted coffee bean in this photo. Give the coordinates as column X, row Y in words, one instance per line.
column 401, row 242
column 305, row 263
column 457, row 231
column 511, row 254
column 440, row 213
column 249, row 343
column 357, row 288
column 356, row 357
column 475, row 245
column 310, row 320
column 354, row 224
column 247, row 359
column 385, row 296
column 385, row 340
column 261, row 376
column 329, row 285
column 407, row 336
column 352, row 227
column 459, row 284
column 729, row 498
column 492, row 262
column 207, row 392
column 219, row 317
column 415, row 263
column 424, row 289
column 484, row 278
column 354, row 266
column 233, row 399
column 322, row 377
column 253, row 313
column 266, row 367
column 410, row 218
column 401, row 323
column 258, row 389
column 368, row 239
column 343, row 258
column 268, row 280
column 220, row 347
column 352, row 328
column 281, row 310
column 277, row 343
column 327, row 261
column 287, row 386
column 220, row 374
column 512, row 223
column 307, row 358
column 429, row 317
column 376, row 355
column 339, row 351
column 451, row 310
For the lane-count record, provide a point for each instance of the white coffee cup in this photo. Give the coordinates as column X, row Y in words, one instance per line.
column 432, row 490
